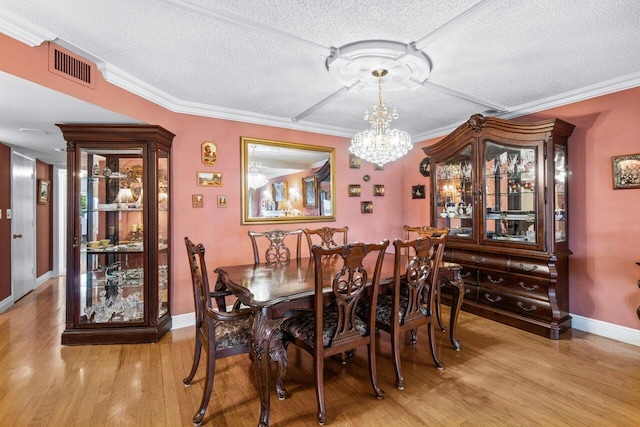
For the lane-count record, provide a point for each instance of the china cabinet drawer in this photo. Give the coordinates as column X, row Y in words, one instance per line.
column 469, row 275
column 529, row 266
column 481, row 260
column 515, row 303
column 526, row 285
column 470, row 292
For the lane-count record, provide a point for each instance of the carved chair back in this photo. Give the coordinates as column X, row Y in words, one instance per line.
column 277, row 252
column 326, row 237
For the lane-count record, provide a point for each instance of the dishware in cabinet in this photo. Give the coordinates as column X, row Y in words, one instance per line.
column 118, row 285
column 514, row 177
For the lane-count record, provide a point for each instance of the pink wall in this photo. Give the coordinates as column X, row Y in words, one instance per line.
column 603, row 272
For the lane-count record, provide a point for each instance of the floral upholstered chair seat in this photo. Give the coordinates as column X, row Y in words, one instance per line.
column 303, row 326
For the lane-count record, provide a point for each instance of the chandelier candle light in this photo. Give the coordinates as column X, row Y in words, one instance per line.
column 380, row 144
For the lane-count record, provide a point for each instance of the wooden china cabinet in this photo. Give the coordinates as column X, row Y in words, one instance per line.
column 501, row 187
column 118, row 222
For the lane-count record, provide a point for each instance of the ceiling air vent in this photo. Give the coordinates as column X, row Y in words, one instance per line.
column 70, row 66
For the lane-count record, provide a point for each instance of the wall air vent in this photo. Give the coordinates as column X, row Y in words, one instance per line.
column 71, row 66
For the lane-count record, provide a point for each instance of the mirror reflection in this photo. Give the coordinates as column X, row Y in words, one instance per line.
column 286, row 182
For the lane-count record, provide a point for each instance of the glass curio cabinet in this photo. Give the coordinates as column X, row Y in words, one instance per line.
column 118, row 281
column 501, row 188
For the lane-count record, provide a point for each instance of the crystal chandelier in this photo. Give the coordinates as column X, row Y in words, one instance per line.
column 255, row 179
column 380, row 144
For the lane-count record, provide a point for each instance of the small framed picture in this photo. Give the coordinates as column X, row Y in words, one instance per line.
column 366, row 207
column 44, row 191
column 417, row 192
column 209, row 179
column 377, row 167
column 222, row 201
column 354, row 190
column 197, row 201
column 425, row 167
column 378, row 190
column 354, row 161
column 209, row 153
column 626, row 171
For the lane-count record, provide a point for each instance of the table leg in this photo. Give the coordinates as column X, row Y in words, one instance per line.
column 262, row 330
column 457, row 284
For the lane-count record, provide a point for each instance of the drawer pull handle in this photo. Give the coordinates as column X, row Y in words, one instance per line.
column 532, row 308
column 468, row 273
column 498, row 298
column 478, row 260
column 492, row 280
column 526, row 288
column 525, row 268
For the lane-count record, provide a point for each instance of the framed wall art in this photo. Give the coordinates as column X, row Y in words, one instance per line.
column 354, row 190
column 209, row 152
column 626, row 171
column 44, row 191
column 378, row 190
column 222, row 201
column 354, row 161
column 209, row 179
column 197, row 201
column 417, row 192
column 366, row 207
column 309, row 194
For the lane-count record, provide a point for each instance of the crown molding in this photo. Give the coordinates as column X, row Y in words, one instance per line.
column 607, row 87
column 23, row 31
column 126, row 81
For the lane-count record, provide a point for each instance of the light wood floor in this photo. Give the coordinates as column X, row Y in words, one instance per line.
column 502, row 377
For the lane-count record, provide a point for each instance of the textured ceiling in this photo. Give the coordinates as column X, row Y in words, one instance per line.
column 265, row 61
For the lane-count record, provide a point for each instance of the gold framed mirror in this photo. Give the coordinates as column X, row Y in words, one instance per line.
column 286, row 182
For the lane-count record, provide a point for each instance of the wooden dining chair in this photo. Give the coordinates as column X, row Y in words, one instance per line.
column 326, row 237
column 277, row 252
column 407, row 309
column 221, row 333
column 428, row 231
column 335, row 328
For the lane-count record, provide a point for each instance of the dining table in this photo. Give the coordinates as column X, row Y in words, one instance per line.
column 274, row 293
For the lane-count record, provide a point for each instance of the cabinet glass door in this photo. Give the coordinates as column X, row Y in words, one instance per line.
column 560, row 180
column 454, row 194
column 510, row 196
column 163, row 233
column 112, row 229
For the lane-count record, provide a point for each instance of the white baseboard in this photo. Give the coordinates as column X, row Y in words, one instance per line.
column 46, row 276
column 183, row 320
column 6, row 304
column 607, row 330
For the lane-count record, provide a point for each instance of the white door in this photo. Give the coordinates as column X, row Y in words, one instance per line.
column 23, row 206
